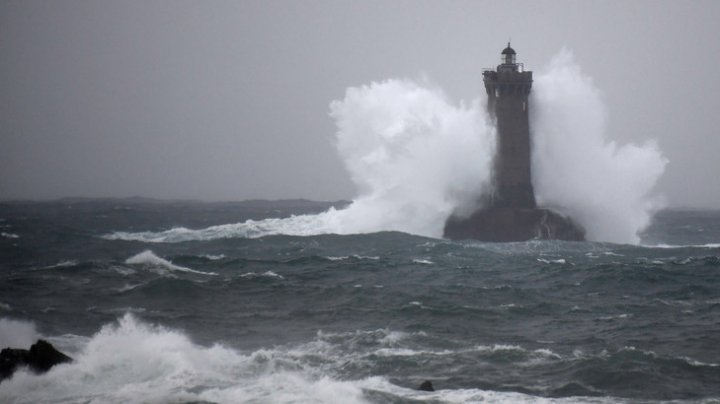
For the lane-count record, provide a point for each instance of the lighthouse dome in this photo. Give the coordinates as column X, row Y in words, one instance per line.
column 508, row 56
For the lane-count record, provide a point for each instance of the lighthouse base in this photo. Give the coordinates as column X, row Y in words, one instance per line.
column 513, row 224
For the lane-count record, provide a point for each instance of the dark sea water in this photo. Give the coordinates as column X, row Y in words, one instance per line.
column 154, row 312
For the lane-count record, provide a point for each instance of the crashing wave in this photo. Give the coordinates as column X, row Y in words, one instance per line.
column 149, row 260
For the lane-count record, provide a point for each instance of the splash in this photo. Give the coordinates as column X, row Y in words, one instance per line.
column 152, row 262
column 577, row 170
column 415, row 158
column 131, row 361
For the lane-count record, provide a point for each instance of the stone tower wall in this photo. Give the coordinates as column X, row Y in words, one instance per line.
column 509, row 213
column 508, row 91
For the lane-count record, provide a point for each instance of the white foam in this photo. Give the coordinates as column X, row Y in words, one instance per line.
column 422, row 261
column 17, row 333
column 366, row 257
column 697, row 363
column 383, row 336
column 125, row 271
column 668, row 246
column 556, row 261
column 465, row 396
column 266, row 274
column 341, row 258
column 346, row 257
column 63, row 264
column 615, row 317
column 300, row 225
column 149, row 260
column 128, row 287
column 135, row 362
column 9, row 235
column 415, row 157
column 577, row 169
column 132, row 361
column 213, row 257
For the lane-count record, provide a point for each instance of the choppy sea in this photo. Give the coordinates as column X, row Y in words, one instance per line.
column 182, row 302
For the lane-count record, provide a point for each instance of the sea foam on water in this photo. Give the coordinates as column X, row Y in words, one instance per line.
column 131, row 361
column 415, row 158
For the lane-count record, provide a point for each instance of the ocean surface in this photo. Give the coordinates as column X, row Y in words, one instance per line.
column 182, row 302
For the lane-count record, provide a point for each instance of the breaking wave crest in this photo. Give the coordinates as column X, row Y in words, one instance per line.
column 299, row 225
column 415, row 158
column 149, row 260
column 576, row 169
column 132, row 361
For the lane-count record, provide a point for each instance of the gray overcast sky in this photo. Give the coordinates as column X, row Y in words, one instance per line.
column 229, row 100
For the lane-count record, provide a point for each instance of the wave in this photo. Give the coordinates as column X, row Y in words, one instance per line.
column 128, row 287
column 422, row 261
column 131, row 361
column 352, row 257
column 213, row 257
column 555, row 261
column 605, row 186
column 63, row 264
column 8, row 235
column 416, row 158
column 266, row 274
column 149, row 260
column 300, row 225
column 670, row 246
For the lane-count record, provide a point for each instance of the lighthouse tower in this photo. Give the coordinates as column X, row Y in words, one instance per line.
column 508, row 88
column 509, row 211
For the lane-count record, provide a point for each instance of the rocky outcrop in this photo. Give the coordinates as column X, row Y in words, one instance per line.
column 502, row 224
column 39, row 358
column 426, row 386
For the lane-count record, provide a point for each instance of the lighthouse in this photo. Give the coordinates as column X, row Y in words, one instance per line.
column 508, row 211
column 508, row 88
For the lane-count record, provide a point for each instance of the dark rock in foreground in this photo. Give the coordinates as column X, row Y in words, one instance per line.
column 39, row 358
column 502, row 224
column 426, row 386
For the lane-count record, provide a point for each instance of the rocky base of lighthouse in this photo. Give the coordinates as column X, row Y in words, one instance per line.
column 513, row 224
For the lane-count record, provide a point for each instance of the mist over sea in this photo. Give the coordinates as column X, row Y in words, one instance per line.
column 361, row 318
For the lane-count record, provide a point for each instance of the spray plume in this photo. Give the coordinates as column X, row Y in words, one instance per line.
column 415, row 158
column 577, row 170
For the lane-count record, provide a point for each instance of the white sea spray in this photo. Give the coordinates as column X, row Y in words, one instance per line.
column 416, row 157
column 578, row 168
